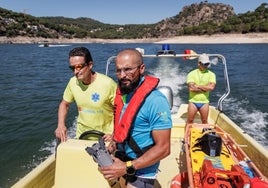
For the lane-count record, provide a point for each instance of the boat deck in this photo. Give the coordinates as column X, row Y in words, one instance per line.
column 75, row 168
column 175, row 162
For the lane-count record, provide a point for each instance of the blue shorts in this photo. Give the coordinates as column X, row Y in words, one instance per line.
column 198, row 105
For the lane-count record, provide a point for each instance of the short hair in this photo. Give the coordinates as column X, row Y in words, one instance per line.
column 81, row 51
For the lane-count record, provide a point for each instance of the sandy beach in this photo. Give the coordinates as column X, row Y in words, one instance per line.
column 220, row 39
column 203, row 39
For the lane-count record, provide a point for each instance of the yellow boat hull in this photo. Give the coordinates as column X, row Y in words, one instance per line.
column 73, row 167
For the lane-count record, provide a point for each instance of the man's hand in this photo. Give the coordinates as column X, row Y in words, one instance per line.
column 61, row 133
column 114, row 171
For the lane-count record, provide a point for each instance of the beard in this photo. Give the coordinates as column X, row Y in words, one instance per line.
column 126, row 89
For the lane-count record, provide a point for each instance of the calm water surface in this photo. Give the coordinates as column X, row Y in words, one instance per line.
column 32, row 81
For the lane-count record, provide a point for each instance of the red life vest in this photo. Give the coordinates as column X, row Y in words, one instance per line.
column 121, row 128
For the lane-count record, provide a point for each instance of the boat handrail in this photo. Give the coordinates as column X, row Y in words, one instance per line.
column 227, row 86
column 223, row 61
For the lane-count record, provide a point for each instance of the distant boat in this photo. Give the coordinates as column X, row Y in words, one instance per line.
column 47, row 44
column 53, row 45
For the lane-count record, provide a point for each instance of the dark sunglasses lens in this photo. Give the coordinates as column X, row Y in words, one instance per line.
column 77, row 67
column 72, row 67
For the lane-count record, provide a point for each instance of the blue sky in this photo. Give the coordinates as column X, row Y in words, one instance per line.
column 117, row 11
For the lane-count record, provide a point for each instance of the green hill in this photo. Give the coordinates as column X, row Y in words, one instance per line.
column 195, row 19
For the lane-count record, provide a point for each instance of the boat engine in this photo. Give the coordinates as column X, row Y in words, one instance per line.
column 167, row 91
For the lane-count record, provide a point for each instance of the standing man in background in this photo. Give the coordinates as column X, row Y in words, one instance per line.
column 93, row 93
column 201, row 82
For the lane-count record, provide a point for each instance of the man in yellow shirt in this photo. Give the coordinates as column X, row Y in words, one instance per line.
column 93, row 93
column 200, row 82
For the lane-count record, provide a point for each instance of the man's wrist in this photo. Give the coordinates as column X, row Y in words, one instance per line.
column 130, row 169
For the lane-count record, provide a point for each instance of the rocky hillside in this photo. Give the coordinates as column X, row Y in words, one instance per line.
column 195, row 15
column 195, row 19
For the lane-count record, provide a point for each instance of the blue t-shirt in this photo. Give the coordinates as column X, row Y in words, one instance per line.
column 154, row 114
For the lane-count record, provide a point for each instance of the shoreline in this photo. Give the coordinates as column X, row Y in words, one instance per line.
column 249, row 38
column 202, row 39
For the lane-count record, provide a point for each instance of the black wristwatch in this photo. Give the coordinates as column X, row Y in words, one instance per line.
column 130, row 168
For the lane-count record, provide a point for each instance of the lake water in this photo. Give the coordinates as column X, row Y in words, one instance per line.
column 32, row 81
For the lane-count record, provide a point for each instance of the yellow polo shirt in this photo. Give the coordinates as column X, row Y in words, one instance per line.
column 94, row 102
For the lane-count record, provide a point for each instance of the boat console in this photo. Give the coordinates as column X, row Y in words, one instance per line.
column 76, row 168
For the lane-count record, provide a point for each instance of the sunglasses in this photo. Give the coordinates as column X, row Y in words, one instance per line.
column 205, row 64
column 78, row 67
column 128, row 70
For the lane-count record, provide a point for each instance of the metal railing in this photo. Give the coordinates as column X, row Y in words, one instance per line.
column 193, row 56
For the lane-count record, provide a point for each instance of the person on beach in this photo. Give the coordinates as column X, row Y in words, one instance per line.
column 201, row 82
column 141, row 136
column 93, row 94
